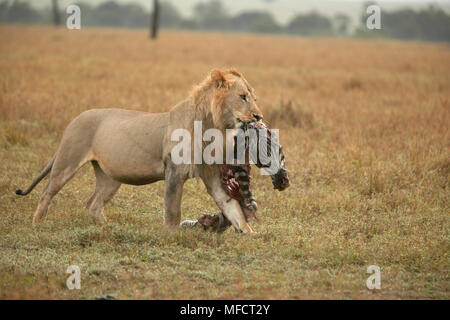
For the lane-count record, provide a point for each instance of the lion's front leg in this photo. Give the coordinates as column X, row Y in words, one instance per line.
column 172, row 197
column 229, row 206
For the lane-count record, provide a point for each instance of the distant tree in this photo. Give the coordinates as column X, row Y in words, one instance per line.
column 55, row 9
column 116, row 15
column 155, row 19
column 401, row 24
column 435, row 24
column 107, row 14
column 3, row 10
column 427, row 24
column 190, row 24
column 255, row 21
column 211, row 15
column 431, row 24
column 341, row 23
column 19, row 12
column 311, row 24
column 170, row 17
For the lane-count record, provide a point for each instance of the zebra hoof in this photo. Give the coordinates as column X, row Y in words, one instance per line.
column 188, row 223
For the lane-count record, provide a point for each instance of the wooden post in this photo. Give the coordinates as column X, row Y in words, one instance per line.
column 155, row 20
column 56, row 18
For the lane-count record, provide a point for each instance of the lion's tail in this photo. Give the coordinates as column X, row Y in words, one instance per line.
column 38, row 179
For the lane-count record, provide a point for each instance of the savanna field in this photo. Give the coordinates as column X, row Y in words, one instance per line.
column 365, row 129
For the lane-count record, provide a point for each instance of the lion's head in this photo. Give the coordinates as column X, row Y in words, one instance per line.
column 233, row 101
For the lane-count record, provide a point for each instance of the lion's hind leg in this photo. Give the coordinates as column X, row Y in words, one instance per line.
column 62, row 171
column 105, row 189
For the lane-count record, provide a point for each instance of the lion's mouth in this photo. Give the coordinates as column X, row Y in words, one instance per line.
column 243, row 124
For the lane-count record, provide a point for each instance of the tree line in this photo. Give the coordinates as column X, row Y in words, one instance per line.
column 431, row 23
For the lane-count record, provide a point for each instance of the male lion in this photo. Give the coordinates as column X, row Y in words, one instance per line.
column 134, row 147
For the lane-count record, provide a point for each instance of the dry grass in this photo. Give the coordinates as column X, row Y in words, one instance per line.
column 365, row 126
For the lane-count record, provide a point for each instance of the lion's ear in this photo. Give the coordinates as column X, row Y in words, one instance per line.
column 236, row 73
column 218, row 78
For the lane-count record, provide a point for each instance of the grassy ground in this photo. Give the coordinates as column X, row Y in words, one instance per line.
column 364, row 124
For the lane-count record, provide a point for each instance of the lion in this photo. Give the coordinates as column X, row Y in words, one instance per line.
column 134, row 147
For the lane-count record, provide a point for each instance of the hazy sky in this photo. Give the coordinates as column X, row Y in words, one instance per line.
column 282, row 10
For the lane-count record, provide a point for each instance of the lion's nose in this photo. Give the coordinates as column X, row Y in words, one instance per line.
column 257, row 117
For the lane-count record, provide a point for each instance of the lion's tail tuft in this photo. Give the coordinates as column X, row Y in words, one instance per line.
column 38, row 179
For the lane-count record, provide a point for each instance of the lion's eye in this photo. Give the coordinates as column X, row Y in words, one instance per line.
column 243, row 97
